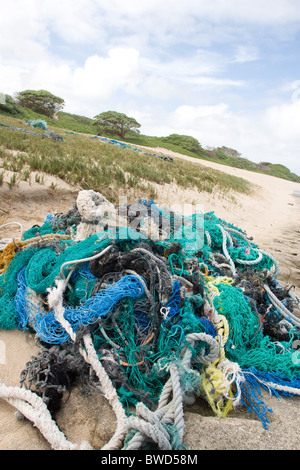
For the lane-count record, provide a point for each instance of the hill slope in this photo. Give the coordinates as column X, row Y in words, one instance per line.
column 88, row 163
column 82, row 124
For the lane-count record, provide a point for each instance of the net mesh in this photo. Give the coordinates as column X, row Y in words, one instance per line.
column 144, row 298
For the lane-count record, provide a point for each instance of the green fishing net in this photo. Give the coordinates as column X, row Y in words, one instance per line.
column 247, row 345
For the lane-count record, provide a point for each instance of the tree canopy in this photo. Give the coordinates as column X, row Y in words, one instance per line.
column 41, row 101
column 8, row 106
column 114, row 123
column 229, row 151
column 184, row 141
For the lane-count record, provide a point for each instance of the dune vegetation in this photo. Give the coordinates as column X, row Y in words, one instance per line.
column 85, row 162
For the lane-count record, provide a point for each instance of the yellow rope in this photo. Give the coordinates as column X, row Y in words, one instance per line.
column 8, row 253
column 213, row 378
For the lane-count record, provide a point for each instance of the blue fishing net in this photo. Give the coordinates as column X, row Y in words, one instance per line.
column 143, row 297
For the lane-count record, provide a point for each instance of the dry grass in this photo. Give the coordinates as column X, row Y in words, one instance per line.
column 91, row 164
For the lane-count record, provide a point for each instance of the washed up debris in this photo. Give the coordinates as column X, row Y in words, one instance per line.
column 37, row 123
column 47, row 134
column 136, row 149
column 154, row 309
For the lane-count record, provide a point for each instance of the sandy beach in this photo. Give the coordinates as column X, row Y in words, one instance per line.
column 271, row 216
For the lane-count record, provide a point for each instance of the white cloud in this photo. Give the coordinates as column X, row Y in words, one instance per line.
column 284, row 121
column 157, row 57
column 269, row 135
column 27, row 27
column 100, row 76
column 24, row 34
column 246, row 54
column 186, row 115
column 82, row 86
column 175, row 11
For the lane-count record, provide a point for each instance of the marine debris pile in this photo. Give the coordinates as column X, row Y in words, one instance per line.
column 38, row 123
column 123, row 145
column 152, row 308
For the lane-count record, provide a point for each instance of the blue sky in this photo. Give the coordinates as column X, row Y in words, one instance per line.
column 224, row 72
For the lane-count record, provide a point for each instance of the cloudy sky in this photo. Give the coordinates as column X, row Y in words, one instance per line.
column 226, row 72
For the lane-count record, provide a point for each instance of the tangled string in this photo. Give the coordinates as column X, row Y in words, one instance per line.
column 154, row 323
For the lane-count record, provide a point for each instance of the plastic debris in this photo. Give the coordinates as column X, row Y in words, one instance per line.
column 38, row 123
column 48, row 134
column 152, row 308
column 136, row 149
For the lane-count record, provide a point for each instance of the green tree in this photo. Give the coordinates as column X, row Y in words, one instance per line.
column 229, row 151
column 8, row 106
column 114, row 123
column 41, row 101
column 184, row 141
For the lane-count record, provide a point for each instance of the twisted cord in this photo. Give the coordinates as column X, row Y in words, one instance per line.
column 55, row 298
column 177, row 400
column 225, row 251
column 150, row 424
column 14, row 223
column 251, row 262
column 168, row 410
column 282, row 309
column 33, row 408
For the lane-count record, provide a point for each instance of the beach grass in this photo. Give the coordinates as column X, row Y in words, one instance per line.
column 88, row 163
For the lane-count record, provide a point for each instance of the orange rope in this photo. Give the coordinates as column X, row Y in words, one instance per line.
column 206, row 270
column 8, row 254
column 147, row 341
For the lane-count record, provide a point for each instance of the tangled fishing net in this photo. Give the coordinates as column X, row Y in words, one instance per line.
column 153, row 309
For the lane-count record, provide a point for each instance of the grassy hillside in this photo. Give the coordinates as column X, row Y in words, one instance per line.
column 81, row 124
column 84, row 161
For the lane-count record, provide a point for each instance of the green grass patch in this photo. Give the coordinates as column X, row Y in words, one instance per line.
column 73, row 123
column 92, row 164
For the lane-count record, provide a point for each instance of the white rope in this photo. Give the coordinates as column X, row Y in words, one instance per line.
column 241, row 261
column 14, row 223
column 275, row 262
column 232, row 374
column 110, row 394
column 152, row 431
column 242, row 235
column 295, row 298
column 225, row 251
column 169, row 411
column 55, row 298
column 208, row 237
column 177, row 400
column 251, row 262
column 150, row 424
column 33, row 408
column 202, row 357
column 282, row 388
column 282, row 309
column 84, row 260
column 275, row 386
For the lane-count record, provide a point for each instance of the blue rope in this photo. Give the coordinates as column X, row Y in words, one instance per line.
column 251, row 398
column 103, row 302
column 174, row 301
column 20, row 300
